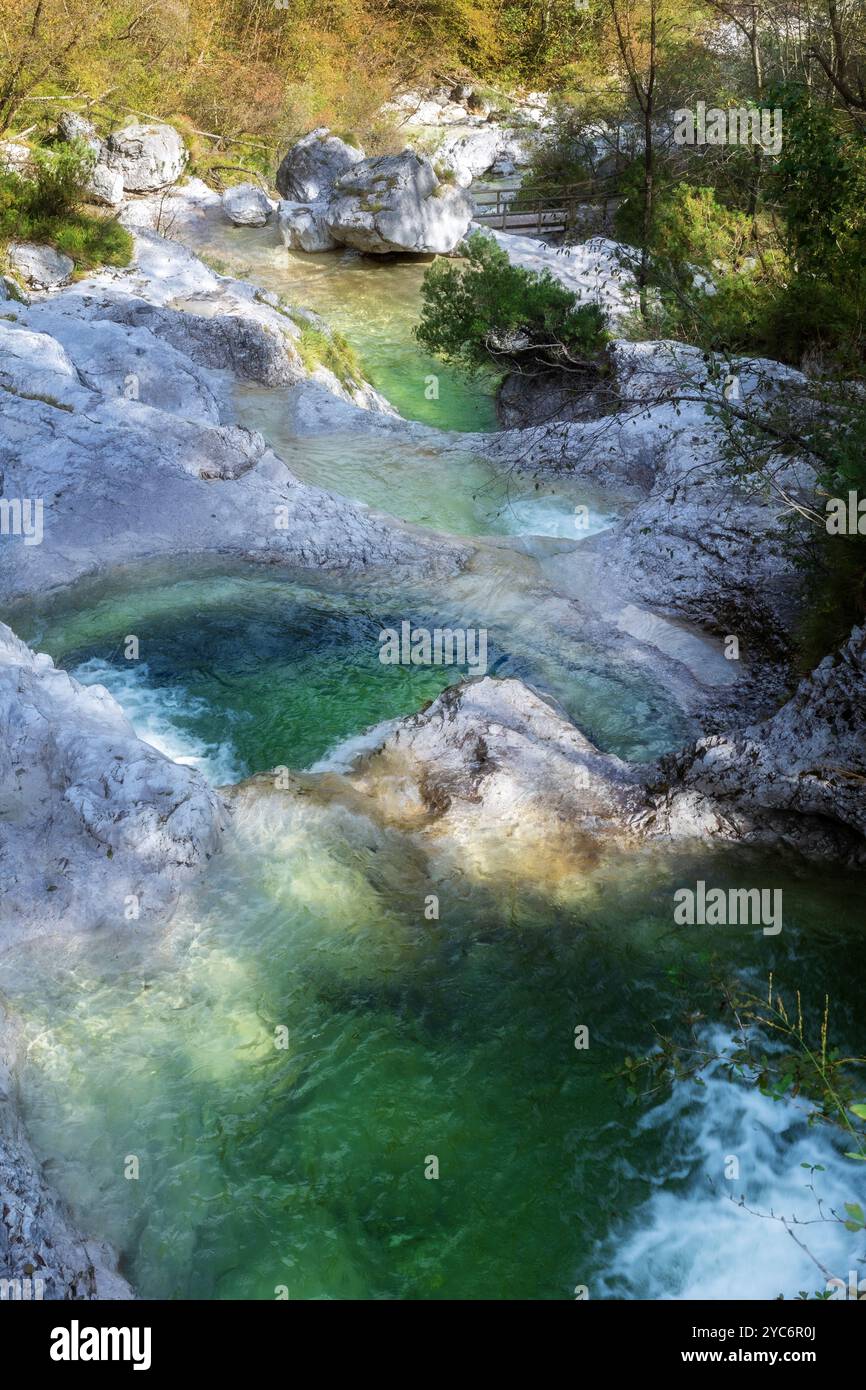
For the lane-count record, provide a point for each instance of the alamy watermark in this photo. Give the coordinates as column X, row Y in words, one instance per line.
column 846, row 517
column 22, row 1290
column 732, row 907
column 441, row 646
column 732, row 125
column 22, row 517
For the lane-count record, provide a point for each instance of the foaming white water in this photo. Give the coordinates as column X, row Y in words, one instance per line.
column 157, row 714
column 343, row 755
column 550, row 516
column 693, row 1240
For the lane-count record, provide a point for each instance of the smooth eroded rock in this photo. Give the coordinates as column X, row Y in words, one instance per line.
column 40, row 266
column 397, row 203
column 246, row 205
column 149, row 156
column 311, row 167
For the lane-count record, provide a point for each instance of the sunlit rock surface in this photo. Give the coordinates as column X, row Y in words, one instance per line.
column 246, row 205
column 149, row 155
column 117, row 419
column 397, row 203
column 309, row 170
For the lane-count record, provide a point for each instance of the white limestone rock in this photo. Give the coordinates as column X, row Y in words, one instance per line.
column 246, row 205
column 309, row 170
column 40, row 266
column 90, row 813
column 473, row 153
column 304, row 226
column 117, row 414
column 105, row 185
column 149, row 155
column 798, row 777
column 397, row 203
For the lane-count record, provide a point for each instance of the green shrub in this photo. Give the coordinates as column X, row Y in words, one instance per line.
column 43, row 207
column 58, row 180
column 485, row 310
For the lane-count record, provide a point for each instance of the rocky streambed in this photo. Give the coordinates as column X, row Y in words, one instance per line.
column 610, row 751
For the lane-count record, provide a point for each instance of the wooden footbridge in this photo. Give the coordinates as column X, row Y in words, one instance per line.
column 555, row 210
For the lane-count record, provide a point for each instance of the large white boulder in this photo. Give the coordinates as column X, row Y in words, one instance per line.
column 105, row 185
column 149, row 156
column 40, row 266
column 304, row 226
column 397, row 203
column 246, row 205
column 312, row 166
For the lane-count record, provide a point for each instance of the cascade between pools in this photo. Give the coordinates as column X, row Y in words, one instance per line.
column 286, row 1056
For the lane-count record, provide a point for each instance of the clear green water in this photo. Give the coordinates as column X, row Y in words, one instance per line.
column 448, row 490
column 244, row 671
column 263, row 1168
column 375, row 301
column 302, row 1168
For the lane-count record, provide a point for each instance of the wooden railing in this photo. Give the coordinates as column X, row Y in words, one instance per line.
column 556, row 210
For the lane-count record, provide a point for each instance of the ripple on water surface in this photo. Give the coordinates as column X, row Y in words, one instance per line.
column 287, row 1059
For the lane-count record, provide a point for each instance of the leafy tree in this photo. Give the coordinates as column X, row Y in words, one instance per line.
column 487, row 311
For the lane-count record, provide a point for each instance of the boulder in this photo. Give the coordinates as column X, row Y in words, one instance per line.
column 304, row 226
column 72, row 126
column 105, row 185
column 312, row 166
column 40, row 266
column 397, row 203
column 149, row 156
column 14, row 157
column 246, row 205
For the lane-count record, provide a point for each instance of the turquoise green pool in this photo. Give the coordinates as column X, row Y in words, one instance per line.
column 303, row 1087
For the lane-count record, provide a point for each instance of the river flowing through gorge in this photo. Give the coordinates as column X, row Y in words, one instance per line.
column 300, row 1163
